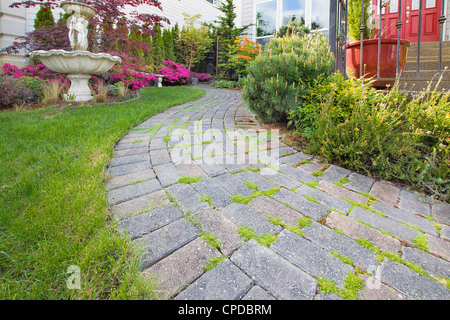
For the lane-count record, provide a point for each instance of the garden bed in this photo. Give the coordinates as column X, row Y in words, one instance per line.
column 401, row 137
column 404, row 138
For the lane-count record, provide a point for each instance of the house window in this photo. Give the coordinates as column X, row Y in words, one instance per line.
column 393, row 6
column 266, row 20
column 415, row 4
column 271, row 15
column 320, row 16
column 294, row 9
column 216, row 2
column 430, row 4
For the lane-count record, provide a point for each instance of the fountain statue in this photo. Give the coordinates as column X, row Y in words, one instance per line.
column 79, row 64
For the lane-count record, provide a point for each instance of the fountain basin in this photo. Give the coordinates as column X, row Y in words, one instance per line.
column 76, row 62
column 79, row 8
column 79, row 66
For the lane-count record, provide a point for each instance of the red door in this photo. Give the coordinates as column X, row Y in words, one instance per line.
column 431, row 10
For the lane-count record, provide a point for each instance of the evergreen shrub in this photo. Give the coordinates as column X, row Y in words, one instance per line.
column 281, row 75
column 44, row 17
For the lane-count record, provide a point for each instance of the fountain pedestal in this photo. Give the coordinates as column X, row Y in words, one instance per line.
column 80, row 87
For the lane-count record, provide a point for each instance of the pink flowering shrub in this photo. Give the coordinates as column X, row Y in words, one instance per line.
column 94, row 83
column 38, row 70
column 174, row 73
column 134, row 80
column 201, row 76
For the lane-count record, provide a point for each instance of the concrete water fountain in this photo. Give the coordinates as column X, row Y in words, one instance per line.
column 79, row 64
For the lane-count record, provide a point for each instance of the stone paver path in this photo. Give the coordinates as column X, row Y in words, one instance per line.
column 222, row 210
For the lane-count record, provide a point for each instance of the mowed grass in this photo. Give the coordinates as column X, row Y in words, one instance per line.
column 54, row 211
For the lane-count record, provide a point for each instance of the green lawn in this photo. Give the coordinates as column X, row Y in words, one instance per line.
column 53, row 205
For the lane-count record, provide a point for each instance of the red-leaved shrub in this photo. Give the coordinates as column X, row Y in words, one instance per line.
column 13, row 92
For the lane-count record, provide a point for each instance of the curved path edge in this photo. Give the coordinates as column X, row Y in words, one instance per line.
column 221, row 209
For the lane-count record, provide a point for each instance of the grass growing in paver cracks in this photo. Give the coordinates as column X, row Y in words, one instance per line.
column 352, row 285
column 206, row 199
column 213, row 262
column 382, row 255
column 317, row 173
column 246, row 199
column 189, row 180
column 342, row 181
column 252, row 169
column 297, row 229
column 369, row 196
column 248, row 233
column 211, row 239
column 53, row 205
column 312, row 184
column 364, row 206
column 421, row 242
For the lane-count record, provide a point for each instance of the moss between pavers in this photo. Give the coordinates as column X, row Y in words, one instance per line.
column 189, row 180
column 438, row 226
column 344, row 259
column 369, row 196
column 213, row 262
column 241, row 199
column 352, row 286
column 310, row 198
column 256, row 193
column 364, row 206
column 297, row 229
column 193, row 219
column 138, row 181
column 151, row 130
column 248, row 233
column 312, row 184
column 211, row 239
column 251, row 185
column 252, row 169
column 342, row 181
column 421, row 242
column 206, row 199
column 317, row 173
column 381, row 255
column 412, row 226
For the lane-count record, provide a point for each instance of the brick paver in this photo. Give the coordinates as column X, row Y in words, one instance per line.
column 304, row 227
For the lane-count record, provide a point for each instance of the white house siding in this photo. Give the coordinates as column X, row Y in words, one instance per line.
column 248, row 16
column 447, row 29
column 238, row 11
column 174, row 9
column 13, row 24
